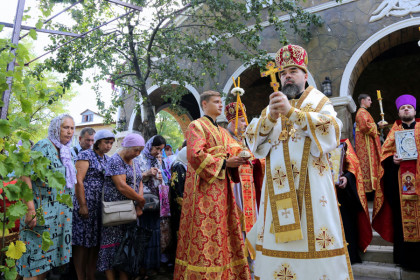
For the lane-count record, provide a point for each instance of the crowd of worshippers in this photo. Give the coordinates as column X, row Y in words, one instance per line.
column 252, row 201
column 92, row 177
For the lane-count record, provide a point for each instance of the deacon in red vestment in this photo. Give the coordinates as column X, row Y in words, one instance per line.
column 396, row 212
column 210, row 243
column 368, row 145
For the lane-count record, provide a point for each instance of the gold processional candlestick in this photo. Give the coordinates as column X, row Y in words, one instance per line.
column 238, row 92
column 381, row 108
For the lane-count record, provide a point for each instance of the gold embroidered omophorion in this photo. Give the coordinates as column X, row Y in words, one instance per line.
column 301, row 227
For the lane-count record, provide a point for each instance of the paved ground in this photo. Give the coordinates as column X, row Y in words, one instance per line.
column 166, row 273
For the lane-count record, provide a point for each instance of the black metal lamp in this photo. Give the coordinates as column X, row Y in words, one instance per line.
column 326, row 86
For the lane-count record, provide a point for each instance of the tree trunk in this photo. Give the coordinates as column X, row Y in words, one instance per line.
column 149, row 124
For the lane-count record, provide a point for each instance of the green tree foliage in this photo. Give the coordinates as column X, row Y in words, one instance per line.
column 169, row 128
column 32, row 97
column 40, row 97
column 186, row 41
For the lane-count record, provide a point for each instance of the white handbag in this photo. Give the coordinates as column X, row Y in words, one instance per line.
column 116, row 213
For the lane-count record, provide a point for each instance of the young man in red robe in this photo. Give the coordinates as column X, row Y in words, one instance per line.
column 368, row 145
column 210, row 243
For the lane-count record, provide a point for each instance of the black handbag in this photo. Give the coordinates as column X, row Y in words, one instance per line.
column 152, row 202
column 131, row 250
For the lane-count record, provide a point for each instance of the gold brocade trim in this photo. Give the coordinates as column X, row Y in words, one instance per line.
column 265, row 199
column 203, row 164
column 216, row 131
column 371, row 186
column 263, row 134
column 301, row 255
column 250, row 248
column 310, row 226
column 292, row 189
column 312, row 127
column 321, row 104
column 277, row 229
column 303, row 172
column 214, row 148
column 337, row 129
column 210, row 268
column 220, row 176
column 197, row 178
column 304, row 95
column 372, row 129
column 292, row 109
column 410, row 197
column 413, row 221
column 350, row 271
column 264, row 112
column 256, row 277
column 271, row 119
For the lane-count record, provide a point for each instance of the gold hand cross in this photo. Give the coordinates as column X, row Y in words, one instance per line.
column 272, row 70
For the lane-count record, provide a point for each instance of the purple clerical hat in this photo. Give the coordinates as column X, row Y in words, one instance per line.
column 404, row 100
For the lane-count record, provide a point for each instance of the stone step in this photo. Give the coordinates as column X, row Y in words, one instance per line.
column 379, row 254
column 374, row 270
column 377, row 270
column 410, row 275
column 378, row 240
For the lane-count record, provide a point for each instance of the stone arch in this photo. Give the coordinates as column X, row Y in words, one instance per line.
column 383, row 40
column 183, row 120
column 190, row 102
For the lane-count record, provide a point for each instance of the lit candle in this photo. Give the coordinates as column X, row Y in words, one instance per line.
column 379, row 94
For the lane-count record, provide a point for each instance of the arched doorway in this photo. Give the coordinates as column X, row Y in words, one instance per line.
column 396, row 34
column 394, row 72
column 370, row 68
column 189, row 102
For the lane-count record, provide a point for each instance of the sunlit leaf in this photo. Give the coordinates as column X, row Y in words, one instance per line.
column 32, row 34
column 16, row 250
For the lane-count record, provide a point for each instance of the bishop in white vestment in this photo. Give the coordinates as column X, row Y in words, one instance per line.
column 298, row 234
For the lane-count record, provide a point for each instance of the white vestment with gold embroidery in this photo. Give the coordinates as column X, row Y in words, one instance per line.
column 298, row 234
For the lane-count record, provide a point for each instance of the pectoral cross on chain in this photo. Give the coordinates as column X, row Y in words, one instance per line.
column 271, row 71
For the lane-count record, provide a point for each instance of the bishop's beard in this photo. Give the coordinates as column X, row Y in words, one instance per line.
column 291, row 90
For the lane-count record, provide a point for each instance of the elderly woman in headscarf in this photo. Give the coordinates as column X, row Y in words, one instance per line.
column 123, row 180
column 90, row 166
column 35, row 263
column 152, row 179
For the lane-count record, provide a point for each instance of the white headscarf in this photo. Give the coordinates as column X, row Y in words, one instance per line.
column 181, row 157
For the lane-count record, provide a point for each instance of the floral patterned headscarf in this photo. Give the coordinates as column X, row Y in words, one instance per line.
column 151, row 160
column 65, row 152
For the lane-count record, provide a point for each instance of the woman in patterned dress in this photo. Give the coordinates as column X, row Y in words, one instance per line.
column 35, row 263
column 90, row 176
column 152, row 178
column 120, row 171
